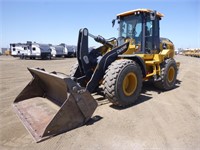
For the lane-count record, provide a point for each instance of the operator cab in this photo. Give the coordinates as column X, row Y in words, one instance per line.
column 142, row 27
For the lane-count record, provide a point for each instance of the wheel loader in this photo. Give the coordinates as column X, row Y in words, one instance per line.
column 53, row 103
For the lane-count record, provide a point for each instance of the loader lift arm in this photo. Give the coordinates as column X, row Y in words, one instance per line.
column 85, row 63
column 82, row 48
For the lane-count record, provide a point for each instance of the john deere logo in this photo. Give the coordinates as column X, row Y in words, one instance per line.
column 122, row 49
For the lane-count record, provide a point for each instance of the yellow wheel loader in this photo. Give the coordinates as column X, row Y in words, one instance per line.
column 53, row 103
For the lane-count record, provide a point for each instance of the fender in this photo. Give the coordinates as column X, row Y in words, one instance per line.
column 103, row 64
column 138, row 60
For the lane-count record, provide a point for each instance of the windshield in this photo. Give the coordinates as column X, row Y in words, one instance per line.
column 131, row 27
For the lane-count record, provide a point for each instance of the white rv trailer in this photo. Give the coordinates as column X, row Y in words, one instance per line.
column 36, row 50
column 59, row 50
column 68, row 50
column 71, row 50
column 64, row 50
column 18, row 49
column 53, row 50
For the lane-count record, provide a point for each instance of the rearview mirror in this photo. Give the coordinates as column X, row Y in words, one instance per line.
column 113, row 22
column 153, row 15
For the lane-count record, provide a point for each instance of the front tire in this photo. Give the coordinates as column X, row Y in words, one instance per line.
column 122, row 82
column 169, row 72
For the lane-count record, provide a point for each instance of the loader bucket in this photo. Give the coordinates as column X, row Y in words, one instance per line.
column 53, row 103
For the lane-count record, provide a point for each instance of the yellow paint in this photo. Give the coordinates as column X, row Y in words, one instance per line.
column 127, row 13
column 131, row 48
column 146, row 56
column 129, row 84
column 170, row 74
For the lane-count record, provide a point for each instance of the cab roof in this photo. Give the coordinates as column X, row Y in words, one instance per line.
column 138, row 10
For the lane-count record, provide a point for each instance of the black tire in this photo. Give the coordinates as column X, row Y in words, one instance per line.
column 167, row 81
column 49, row 57
column 113, row 82
column 21, row 56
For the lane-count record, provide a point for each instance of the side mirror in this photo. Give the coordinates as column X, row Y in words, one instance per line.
column 153, row 15
column 113, row 22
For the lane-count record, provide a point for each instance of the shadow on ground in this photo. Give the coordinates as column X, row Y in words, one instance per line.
column 145, row 96
column 93, row 120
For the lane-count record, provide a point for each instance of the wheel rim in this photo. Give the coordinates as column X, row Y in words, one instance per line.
column 129, row 84
column 171, row 73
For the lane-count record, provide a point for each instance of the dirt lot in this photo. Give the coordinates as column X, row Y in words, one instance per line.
column 159, row 120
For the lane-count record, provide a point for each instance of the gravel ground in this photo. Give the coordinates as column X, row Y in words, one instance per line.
column 159, row 120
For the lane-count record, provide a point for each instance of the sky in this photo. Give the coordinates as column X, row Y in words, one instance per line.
column 59, row 21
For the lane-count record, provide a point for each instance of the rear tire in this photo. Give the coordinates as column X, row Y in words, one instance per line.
column 122, row 82
column 168, row 75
